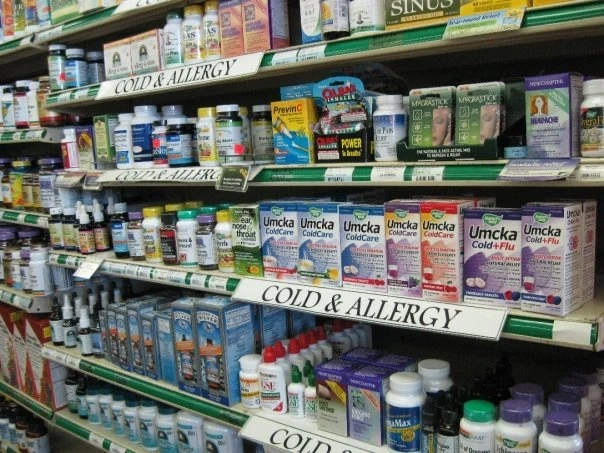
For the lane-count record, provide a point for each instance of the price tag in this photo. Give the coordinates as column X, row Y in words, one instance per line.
column 72, row 261
column 176, row 278
column 55, row 356
column 132, row 270
column 64, row 96
column 312, row 53
column 588, row 172
column 427, row 173
column 285, row 57
column 144, row 272
column 217, row 283
column 198, row 281
column 88, row 267
column 95, row 439
column 17, row 136
column 129, row 5
column 42, row 221
column 23, row 302
column 21, row 217
column 381, row 174
column 538, row 169
column 234, row 178
column 338, row 174
column 72, row 362
column 115, row 448
column 480, row 24
column 161, row 275
column 82, row 93
column 47, row 35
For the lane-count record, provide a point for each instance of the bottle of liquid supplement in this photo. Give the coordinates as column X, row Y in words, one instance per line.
column 515, row 431
column 185, row 238
column 136, row 243
column 295, row 394
column 86, row 234
column 435, row 375
column 230, row 142
column 429, row 427
column 71, row 385
column 224, row 242
column 76, row 68
column 532, row 393
column 92, row 404
column 404, row 403
column 160, row 144
column 85, row 338
column 173, row 40
column 273, row 384
column 142, row 131
column 151, row 239
column 56, row 67
column 595, row 396
column 389, row 126
column 211, row 30
column 96, row 67
column 334, row 19
column 447, row 439
column 190, row 432
column 477, row 427
column 122, row 137
column 167, row 430
column 192, row 30
column 207, row 153
column 70, row 327
column 147, row 420
column 560, row 434
column 119, row 231
column 310, row 399
column 56, row 324
column 262, row 135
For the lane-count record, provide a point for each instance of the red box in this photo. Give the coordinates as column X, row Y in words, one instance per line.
column 20, row 349
column 8, row 369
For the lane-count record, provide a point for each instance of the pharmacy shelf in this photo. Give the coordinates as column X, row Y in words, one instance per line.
column 24, row 217
column 7, row 447
column 44, row 135
column 26, row 401
column 73, row 97
column 94, row 434
column 25, row 301
column 158, row 390
column 21, row 47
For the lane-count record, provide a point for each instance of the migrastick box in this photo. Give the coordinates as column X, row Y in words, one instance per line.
column 431, row 113
column 293, row 123
column 479, row 112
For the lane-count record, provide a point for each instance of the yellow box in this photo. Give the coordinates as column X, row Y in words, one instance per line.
column 469, row 7
column 293, row 124
column 550, row 2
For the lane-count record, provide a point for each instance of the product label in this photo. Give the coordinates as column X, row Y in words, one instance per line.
column 76, row 73
column 475, row 442
column 187, row 246
column 94, row 410
column 262, row 140
column 388, row 130
column 229, row 140
column 86, row 241
column 148, row 431
column 206, row 249
column 160, row 152
column 190, row 438
column 211, row 35
column 71, row 397
column 142, row 142
column 403, row 428
column 21, row 439
column 117, row 414
column 69, row 236
column 246, row 240
column 166, row 435
column 71, row 156
column 4, row 431
column 7, row 198
column 366, row 16
column 70, row 336
column 20, row 110
column 224, row 249
column 25, row 277
column 250, row 392
column 136, row 244
column 85, row 344
column 272, row 392
column 152, row 243
column 119, row 236
column 310, row 408
column 56, row 331
column 56, row 71
column 131, row 427
column 310, row 16
column 193, row 42
column 504, row 445
column 38, row 445
column 295, row 403
column 179, row 149
column 105, row 413
column 168, row 244
column 123, row 145
column 447, row 444
column 55, row 229
column 592, row 131
column 206, row 142
column 101, row 238
column 47, row 190
column 173, row 54
column 334, row 15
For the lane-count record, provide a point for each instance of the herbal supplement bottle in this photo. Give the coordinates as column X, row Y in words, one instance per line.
column 207, row 154
column 295, row 394
column 221, row 439
column 249, row 381
column 192, row 31
column 262, row 135
column 7, row 243
column 185, row 238
column 56, row 324
column 592, row 118
column 167, row 238
column 5, row 166
column 366, row 16
column 21, row 430
column 571, row 403
column 16, row 176
column 40, row 273
column 76, row 68
column 404, row 403
column 96, row 67
column 102, row 238
column 477, row 427
column 122, row 137
column 205, row 238
column 92, row 403
column 515, row 431
column 389, row 125
column 224, row 242
column 49, row 166
column 105, row 400
column 85, row 341
column 117, row 413
column 151, row 239
column 561, row 433
column 136, row 243
column 580, row 387
column 69, row 234
column 190, row 432
column 273, row 384
column 447, row 439
column 37, row 437
column 334, row 19
column 81, row 397
column 56, row 67
column 33, row 113
column 8, row 108
column 173, row 40
column 69, row 150
column 131, row 419
column 86, row 234
column 147, row 420
column 119, row 231
column 160, row 145
column 341, row 343
column 435, row 375
column 595, row 396
column 429, row 426
column 167, row 431
column 310, row 399
column 532, row 393
column 179, row 139
column 247, row 130
column 15, row 270
column 230, row 142
column 20, row 104
column 71, row 385
column 47, row 118
column 211, row 30
column 142, row 130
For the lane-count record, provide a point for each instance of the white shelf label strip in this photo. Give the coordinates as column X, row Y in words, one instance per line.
column 338, row 174
column 72, row 362
column 95, row 439
column 115, row 448
column 572, row 332
column 55, row 356
column 382, row 174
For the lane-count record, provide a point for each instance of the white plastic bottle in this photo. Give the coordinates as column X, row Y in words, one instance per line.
column 304, row 351
column 325, row 345
column 435, row 375
column 221, row 439
column 41, row 277
column 151, row 225
column 207, row 154
column 595, row 396
column 592, row 117
column 404, row 403
column 310, row 399
column 117, row 414
column 173, row 42
column 295, row 394
column 224, row 242
column 568, row 402
column 515, row 427
column 249, row 381
column 389, row 126
column 341, row 343
column 142, row 135
column 580, row 387
column 173, row 112
column 360, row 331
column 532, row 393
column 294, row 355
column 354, row 336
column 92, row 404
column 186, row 243
column 190, row 433
column 560, row 434
column 167, row 431
column 147, row 422
column 313, row 346
column 283, row 361
column 131, row 419
column 273, row 387
column 211, row 30
column 122, row 137
column 192, row 31
column 477, row 427
column 105, row 400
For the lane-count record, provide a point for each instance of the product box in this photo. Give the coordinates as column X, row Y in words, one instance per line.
column 549, row 2
column 310, row 21
column 293, row 92
column 183, row 331
column 246, row 239
column 63, row 10
column 151, row 361
column 431, row 117
column 397, row 362
column 118, row 63
column 91, row 5
column 20, row 349
column 165, row 342
column 362, row 355
column 85, row 144
column 279, row 236
column 470, row 7
column 319, row 249
column 402, row 14
column 135, row 311
column 492, row 256
column 9, row 316
column 552, row 255
column 224, row 334
column 123, row 337
column 104, row 146
column 293, row 123
column 231, row 28
column 351, row 147
column 8, row 21
column 298, row 322
column 403, row 247
column 442, row 249
column 272, row 324
column 552, row 115
column 479, row 112
column 265, row 25
column 147, row 52
column 367, row 388
column 363, row 245
column 104, row 333
column 45, row 378
column 112, row 336
column 332, row 391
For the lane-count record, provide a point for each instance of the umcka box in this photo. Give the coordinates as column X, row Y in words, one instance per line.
column 8, row 317
column 45, row 379
column 184, row 330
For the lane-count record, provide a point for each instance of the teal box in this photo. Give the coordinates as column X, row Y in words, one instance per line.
column 304, row 90
column 165, row 342
column 123, row 338
column 112, row 337
column 150, row 345
column 299, row 322
column 135, row 311
column 183, row 331
column 272, row 324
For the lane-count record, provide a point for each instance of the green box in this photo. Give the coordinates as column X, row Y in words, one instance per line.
column 407, row 13
column 104, row 126
column 431, row 117
column 479, row 112
column 63, row 10
column 246, row 239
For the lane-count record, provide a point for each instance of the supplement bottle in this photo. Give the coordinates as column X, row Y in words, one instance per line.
column 515, row 431
column 595, row 396
column 92, row 403
column 304, row 351
column 294, row 355
column 190, row 432
column 366, row 16
column 76, row 68
column 47, row 118
column 314, row 347
column 477, row 427
column 571, row 403
column 86, row 234
column 592, row 118
column 230, row 142
column 131, row 419
column 206, row 136
column 247, row 131
column 21, row 423
column 341, row 343
column 284, row 362
column 119, row 231
column 17, row 176
column 56, row 67
column 404, row 403
column 15, row 270
column 560, row 434
column 122, row 137
column 33, row 113
column 136, row 244
column 105, row 400
column 69, row 150
column 69, row 234
column 192, row 31
column 352, row 334
column 310, row 15
column 221, row 439
column 308, row 370
column 151, row 239
column 310, row 399
column 173, row 42
column 102, row 239
column 325, row 345
column 205, row 238
column 167, row 238
column 273, row 384
column 389, row 125
column 211, row 30
column 25, row 271
column 56, row 324
column 49, row 167
column 4, row 422
column 14, row 410
column 7, row 243
column 40, row 273
column 334, row 19
column 20, row 104
column 179, row 139
column 96, row 67
column 185, row 238
column 295, row 394
column 117, row 413
column 142, row 130
column 172, row 112
column 429, row 427
column 249, row 381
column 160, row 146
column 70, row 328
column 8, row 111
column 262, row 135
column 580, row 387
column 362, row 333
column 71, row 385
column 167, row 429
column 224, row 242
column 85, row 341
column 147, row 420
column 532, row 393
column 81, row 397
column 435, row 375
column 447, row 439
column 5, row 166
column 37, row 436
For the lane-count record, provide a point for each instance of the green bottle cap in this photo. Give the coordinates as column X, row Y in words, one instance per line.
column 311, row 379
column 307, row 369
column 296, row 375
column 479, row 411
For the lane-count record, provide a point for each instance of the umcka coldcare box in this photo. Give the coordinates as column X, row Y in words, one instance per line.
column 279, row 235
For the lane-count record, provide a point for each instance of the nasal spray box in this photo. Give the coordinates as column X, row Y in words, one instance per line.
column 225, row 333
column 279, row 235
column 123, row 337
column 165, row 341
column 184, row 329
column 272, row 324
column 293, row 123
column 492, row 256
column 363, row 247
column 246, row 239
column 552, row 258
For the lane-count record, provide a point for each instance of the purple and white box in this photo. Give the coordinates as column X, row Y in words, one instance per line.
column 363, row 355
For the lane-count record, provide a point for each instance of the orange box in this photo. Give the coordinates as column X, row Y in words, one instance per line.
column 231, row 28
column 8, row 370
column 265, row 25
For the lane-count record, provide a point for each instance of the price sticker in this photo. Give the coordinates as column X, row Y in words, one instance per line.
column 115, row 448
column 285, row 57
column 338, row 174
column 17, row 136
column 131, row 270
column 427, row 173
column 88, row 267
column 144, row 272
column 23, row 302
column 217, row 283
column 64, row 96
column 72, row 261
column 161, row 275
column 312, row 53
column 47, row 35
column 198, row 281
column 81, row 93
column 177, row 278
column 72, row 362
column 385, row 174
column 55, row 356
column 95, row 439
column 587, row 172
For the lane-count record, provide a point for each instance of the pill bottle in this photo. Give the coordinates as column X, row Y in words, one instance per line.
column 167, row 431
column 8, row 108
column 147, row 420
column 122, row 137
column 366, row 16
column 33, row 113
column 179, row 142
column 69, row 150
column 142, row 135
column 55, row 229
column 592, row 118
column 40, row 274
column 595, row 396
column 352, row 334
column 119, row 231
column 151, row 239
column 48, row 118
column 205, row 237
column 515, row 431
column 185, row 238
column 580, row 387
column 190, row 432
column 7, row 243
column 570, row 403
column 435, row 375
column 56, row 67
column 249, row 380
column 96, row 67
column 36, row 436
column 560, row 434
column 173, row 40
column 207, row 154
column 193, row 34
column 230, row 143
column 211, row 30
column 136, row 243
column 262, row 135
column 221, row 439
column 117, row 413
column 224, row 242
column 341, row 343
column 5, row 166
column 131, row 423
column 16, row 177
column 92, row 403
column 25, row 271
column 167, row 238
column 533, row 393
column 105, row 400
column 49, row 168
column 76, row 68
column 404, row 403
column 389, row 126
column 477, row 427
column 334, row 19
column 160, row 146
column 20, row 104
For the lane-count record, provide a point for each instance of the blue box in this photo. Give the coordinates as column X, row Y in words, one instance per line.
column 150, row 345
column 272, row 324
column 165, row 341
column 397, row 362
column 184, row 335
column 363, row 355
column 304, row 90
column 135, row 310
column 299, row 322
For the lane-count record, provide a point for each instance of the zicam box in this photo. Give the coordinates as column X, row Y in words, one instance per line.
column 9, row 316
column 184, row 328
column 118, row 63
column 146, row 52
column 265, row 25
column 293, row 123
column 165, row 341
column 246, row 240
column 279, row 235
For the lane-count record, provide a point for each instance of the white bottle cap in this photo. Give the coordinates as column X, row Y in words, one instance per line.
column 434, row 368
column 39, row 255
column 406, row 382
column 250, row 362
column 125, row 117
column 84, row 318
column 227, row 108
column 390, row 99
column 145, row 110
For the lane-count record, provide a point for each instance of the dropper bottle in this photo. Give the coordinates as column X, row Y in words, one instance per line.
column 86, row 233
column 85, row 334
column 102, row 238
column 70, row 332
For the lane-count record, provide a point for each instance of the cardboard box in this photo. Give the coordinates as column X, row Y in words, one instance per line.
column 91, row 5
column 150, row 344
column 353, row 147
column 279, row 235
column 293, row 124
column 63, row 10
column 272, row 324
column 431, row 117
column 265, row 25
column 9, row 316
column 165, row 341
column 85, row 143
column 247, row 246
column 366, row 356
column 402, row 14
column 113, row 341
column 397, row 362
column 135, row 312
column 123, row 338
column 104, row 146
column 20, row 349
column 298, row 322
column 184, row 332
column 147, row 52
column 118, row 62
column 231, row 28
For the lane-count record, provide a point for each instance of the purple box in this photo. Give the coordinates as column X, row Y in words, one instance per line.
column 362, row 355
column 397, row 362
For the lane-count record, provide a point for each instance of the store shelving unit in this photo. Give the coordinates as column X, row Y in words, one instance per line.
column 26, row 401
column 25, row 218
column 25, row 301
column 43, row 135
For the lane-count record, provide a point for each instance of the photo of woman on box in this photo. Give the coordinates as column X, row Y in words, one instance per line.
column 489, row 122
column 441, row 127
